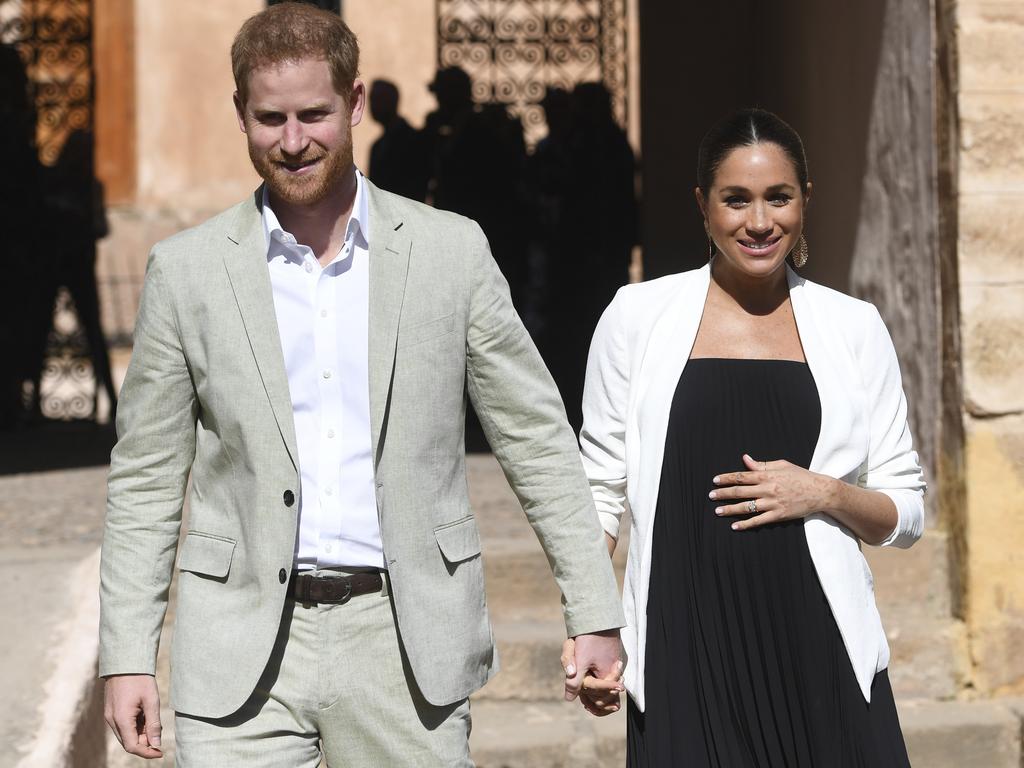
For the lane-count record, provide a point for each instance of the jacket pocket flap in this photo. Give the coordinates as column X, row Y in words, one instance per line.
column 421, row 332
column 206, row 554
column 459, row 540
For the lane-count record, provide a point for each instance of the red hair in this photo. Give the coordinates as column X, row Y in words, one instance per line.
column 290, row 32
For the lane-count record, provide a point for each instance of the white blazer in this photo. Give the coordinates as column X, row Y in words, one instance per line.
column 640, row 348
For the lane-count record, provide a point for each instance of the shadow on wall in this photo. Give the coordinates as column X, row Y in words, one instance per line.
column 814, row 64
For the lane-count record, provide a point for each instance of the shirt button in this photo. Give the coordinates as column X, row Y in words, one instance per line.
column 282, row 576
column 330, row 433
column 327, row 547
column 308, row 267
column 323, row 313
column 327, row 373
column 289, row 498
column 329, row 492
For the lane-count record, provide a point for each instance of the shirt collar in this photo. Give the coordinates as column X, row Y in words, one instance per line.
column 358, row 229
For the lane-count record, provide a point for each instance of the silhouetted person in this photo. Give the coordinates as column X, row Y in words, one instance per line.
column 548, row 171
column 398, row 161
column 596, row 232
column 478, row 165
column 75, row 206
column 23, row 238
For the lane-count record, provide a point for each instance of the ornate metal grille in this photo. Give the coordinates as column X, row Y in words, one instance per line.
column 54, row 38
column 54, row 41
column 514, row 49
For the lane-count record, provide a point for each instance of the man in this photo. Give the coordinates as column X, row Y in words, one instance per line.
column 307, row 355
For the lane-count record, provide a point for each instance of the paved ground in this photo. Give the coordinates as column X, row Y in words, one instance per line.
column 49, row 523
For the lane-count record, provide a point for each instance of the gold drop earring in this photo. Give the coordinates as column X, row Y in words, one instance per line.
column 711, row 243
column 799, row 254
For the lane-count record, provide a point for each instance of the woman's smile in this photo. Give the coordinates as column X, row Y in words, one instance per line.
column 760, row 247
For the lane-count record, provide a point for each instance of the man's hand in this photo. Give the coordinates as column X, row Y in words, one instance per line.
column 132, row 710
column 598, row 654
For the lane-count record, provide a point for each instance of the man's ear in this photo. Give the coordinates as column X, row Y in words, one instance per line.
column 356, row 102
column 239, row 110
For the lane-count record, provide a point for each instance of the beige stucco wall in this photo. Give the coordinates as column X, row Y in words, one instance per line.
column 991, row 265
column 191, row 155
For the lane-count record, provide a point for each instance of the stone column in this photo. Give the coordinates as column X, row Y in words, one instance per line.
column 990, row 210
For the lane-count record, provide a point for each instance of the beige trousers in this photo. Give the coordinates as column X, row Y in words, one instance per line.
column 337, row 681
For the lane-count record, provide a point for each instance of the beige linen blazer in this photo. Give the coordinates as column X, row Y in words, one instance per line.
column 640, row 347
column 206, row 392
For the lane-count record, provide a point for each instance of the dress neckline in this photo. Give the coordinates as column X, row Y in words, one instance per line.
column 750, row 360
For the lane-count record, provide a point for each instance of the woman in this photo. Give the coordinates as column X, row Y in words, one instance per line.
column 756, row 426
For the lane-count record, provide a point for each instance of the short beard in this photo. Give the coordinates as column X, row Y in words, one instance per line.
column 303, row 190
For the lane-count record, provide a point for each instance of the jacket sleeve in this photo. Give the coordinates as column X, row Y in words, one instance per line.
column 523, row 418
column 892, row 466
column 149, row 466
column 605, row 401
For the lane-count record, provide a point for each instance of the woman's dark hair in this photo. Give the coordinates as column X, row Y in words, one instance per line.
column 744, row 129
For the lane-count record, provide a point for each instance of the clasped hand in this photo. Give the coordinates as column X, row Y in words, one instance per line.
column 593, row 667
column 771, row 492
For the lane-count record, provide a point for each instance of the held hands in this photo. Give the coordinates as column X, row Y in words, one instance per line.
column 598, row 685
column 131, row 708
column 771, row 491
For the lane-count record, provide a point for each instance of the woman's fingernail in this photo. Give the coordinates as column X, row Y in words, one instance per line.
column 718, row 510
column 711, row 495
column 714, row 479
column 735, row 526
column 570, row 670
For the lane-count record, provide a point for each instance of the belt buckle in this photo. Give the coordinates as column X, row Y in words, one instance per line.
column 348, row 591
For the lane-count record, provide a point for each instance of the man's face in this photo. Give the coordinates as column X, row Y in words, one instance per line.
column 299, row 129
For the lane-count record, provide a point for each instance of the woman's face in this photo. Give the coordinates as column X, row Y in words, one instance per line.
column 755, row 209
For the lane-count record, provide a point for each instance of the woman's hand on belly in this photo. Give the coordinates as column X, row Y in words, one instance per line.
column 776, row 491
column 771, row 492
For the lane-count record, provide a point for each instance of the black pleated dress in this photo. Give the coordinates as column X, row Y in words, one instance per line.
column 745, row 666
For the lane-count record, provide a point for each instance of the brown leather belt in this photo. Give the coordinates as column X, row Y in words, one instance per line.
column 307, row 588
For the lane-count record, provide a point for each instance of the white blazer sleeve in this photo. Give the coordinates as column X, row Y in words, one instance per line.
column 892, row 466
column 605, row 403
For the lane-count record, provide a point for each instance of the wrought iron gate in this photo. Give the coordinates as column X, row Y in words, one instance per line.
column 515, row 49
column 54, row 41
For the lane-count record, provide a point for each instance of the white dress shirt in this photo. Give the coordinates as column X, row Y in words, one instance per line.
column 323, row 319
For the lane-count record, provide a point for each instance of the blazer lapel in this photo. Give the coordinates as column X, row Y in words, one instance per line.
column 830, row 374
column 246, row 264
column 390, row 246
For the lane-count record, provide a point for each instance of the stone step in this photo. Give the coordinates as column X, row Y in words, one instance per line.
column 924, row 664
column 513, row 734
column 914, row 583
column 958, row 734
column 928, row 648
column 928, row 644
column 545, row 735
column 519, row 580
column 531, row 670
column 911, row 586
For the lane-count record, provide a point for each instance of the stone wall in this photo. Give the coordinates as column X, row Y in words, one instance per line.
column 191, row 153
column 188, row 157
column 990, row 106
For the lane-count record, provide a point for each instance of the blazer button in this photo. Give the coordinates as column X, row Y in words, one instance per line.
column 282, row 576
column 289, row 498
